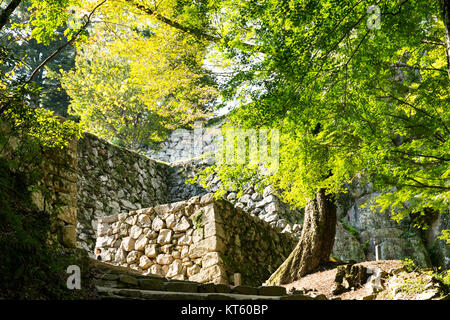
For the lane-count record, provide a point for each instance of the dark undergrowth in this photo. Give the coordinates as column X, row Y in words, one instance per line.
column 30, row 266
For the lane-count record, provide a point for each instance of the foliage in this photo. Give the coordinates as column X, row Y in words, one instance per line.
column 350, row 229
column 445, row 236
column 443, row 276
column 26, row 53
column 347, row 98
column 19, row 100
column 409, row 265
column 49, row 130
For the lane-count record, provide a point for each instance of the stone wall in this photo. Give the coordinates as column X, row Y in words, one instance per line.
column 266, row 205
column 252, row 247
column 200, row 240
column 185, row 144
column 179, row 173
column 60, row 178
column 114, row 180
column 57, row 189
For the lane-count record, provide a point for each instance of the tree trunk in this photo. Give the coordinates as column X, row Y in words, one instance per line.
column 316, row 242
column 7, row 12
column 445, row 11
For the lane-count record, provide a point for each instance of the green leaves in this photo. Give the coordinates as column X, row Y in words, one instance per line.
column 46, row 17
column 131, row 88
column 347, row 98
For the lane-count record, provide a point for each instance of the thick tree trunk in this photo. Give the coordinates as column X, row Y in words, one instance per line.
column 7, row 12
column 316, row 242
column 445, row 11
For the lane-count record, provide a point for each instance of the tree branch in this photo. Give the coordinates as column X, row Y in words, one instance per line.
column 445, row 15
column 201, row 34
column 7, row 12
column 50, row 57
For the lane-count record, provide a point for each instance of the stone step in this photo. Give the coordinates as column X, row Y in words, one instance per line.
column 140, row 294
column 121, row 283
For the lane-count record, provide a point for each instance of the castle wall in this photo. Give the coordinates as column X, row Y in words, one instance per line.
column 200, row 240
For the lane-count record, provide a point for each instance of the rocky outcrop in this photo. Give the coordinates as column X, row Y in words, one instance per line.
column 347, row 247
column 396, row 241
column 439, row 250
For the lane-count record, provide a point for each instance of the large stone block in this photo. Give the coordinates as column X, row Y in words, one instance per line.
column 141, row 242
column 211, row 214
column 158, row 224
column 162, row 210
column 104, row 241
column 214, row 229
column 144, row 262
column 211, row 259
column 182, row 226
column 69, row 236
column 346, row 246
column 165, row 236
column 68, row 213
column 151, row 250
column 202, row 247
column 209, row 274
column 175, row 269
column 164, row 259
column 128, row 244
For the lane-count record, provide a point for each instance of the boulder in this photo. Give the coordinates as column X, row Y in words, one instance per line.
column 346, row 246
column 202, row 247
column 135, row 232
column 158, row 224
column 133, row 256
column 128, row 243
column 174, row 269
column 165, row 236
column 211, row 259
column 193, row 270
column 151, row 250
column 141, row 242
column 164, row 259
column 182, row 225
column 144, row 262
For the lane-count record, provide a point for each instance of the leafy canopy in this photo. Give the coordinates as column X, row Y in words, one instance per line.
column 346, row 97
column 135, row 78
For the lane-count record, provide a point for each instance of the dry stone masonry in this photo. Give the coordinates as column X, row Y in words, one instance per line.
column 358, row 230
column 266, row 206
column 199, row 240
column 185, row 144
column 114, row 180
column 94, row 179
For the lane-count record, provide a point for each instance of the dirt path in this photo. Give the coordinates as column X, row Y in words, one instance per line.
column 322, row 281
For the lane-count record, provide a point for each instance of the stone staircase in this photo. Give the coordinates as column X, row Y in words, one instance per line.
column 113, row 282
